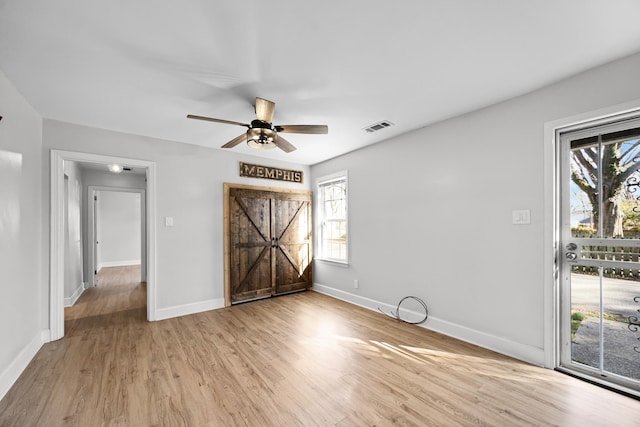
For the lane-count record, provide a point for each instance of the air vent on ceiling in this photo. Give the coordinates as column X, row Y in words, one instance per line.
column 378, row 126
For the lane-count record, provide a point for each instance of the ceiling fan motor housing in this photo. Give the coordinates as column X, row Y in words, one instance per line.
column 261, row 135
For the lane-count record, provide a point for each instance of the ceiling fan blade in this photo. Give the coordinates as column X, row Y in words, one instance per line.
column 310, row 129
column 209, row 119
column 265, row 110
column 283, row 144
column 235, row 141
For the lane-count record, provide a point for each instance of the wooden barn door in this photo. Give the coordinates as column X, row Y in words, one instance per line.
column 268, row 242
column 292, row 232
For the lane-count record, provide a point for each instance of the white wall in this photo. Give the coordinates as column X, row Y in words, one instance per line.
column 190, row 189
column 430, row 213
column 73, row 269
column 22, row 288
column 119, row 228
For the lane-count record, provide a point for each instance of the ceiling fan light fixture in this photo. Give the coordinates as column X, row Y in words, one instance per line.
column 261, row 138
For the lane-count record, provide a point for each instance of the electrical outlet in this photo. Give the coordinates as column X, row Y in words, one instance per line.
column 356, row 284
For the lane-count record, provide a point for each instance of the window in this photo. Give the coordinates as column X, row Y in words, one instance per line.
column 332, row 218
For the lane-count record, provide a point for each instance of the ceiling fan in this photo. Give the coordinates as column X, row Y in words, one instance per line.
column 261, row 133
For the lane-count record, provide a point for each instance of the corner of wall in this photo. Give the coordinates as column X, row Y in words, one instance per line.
column 69, row 301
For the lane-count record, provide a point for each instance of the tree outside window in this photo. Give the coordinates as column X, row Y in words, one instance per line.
column 615, row 161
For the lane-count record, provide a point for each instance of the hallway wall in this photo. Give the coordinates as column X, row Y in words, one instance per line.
column 73, row 271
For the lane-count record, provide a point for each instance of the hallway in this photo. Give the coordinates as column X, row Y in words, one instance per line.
column 119, row 293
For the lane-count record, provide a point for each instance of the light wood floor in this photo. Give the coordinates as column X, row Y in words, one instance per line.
column 299, row 360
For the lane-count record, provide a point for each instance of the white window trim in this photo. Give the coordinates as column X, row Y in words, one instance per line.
column 325, row 180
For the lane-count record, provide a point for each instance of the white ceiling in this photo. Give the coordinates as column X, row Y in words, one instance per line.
column 142, row 66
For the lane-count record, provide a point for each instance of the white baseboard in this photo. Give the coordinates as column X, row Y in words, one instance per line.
column 186, row 309
column 10, row 375
column 501, row 345
column 118, row 263
column 68, row 302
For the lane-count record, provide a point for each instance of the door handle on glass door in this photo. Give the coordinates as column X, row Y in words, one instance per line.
column 571, row 256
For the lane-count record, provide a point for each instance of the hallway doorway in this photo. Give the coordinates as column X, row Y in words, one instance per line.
column 56, row 253
column 116, row 227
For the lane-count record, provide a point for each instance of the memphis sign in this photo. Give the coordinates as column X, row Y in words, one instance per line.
column 267, row 172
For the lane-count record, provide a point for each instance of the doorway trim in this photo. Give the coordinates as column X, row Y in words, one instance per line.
column 92, row 191
column 551, row 212
column 56, row 245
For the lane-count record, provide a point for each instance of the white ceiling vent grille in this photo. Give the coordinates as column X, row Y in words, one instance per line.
column 378, row 126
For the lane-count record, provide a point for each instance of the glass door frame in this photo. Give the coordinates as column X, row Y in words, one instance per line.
column 562, row 236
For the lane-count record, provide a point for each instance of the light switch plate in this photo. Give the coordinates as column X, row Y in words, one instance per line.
column 168, row 221
column 521, row 217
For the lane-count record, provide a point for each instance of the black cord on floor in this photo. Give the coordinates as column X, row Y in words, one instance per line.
column 396, row 315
